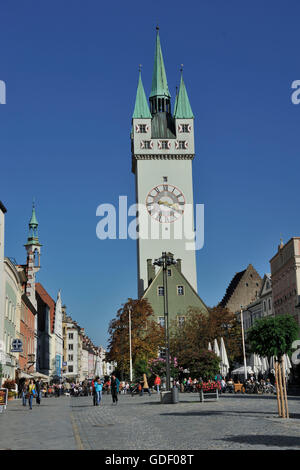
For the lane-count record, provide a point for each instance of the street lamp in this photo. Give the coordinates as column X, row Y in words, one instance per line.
column 164, row 261
column 130, row 349
column 243, row 340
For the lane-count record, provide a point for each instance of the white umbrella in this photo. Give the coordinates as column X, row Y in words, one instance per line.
column 209, row 347
column 287, row 364
column 241, row 371
column 216, row 348
column 272, row 364
column 224, row 366
column 255, row 363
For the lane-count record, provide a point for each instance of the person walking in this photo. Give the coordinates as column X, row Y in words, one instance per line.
column 114, row 386
column 32, row 392
column 38, row 387
column 145, row 386
column 25, row 393
column 98, row 391
column 157, row 383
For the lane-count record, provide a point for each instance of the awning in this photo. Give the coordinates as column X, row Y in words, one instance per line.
column 23, row 375
column 38, row 375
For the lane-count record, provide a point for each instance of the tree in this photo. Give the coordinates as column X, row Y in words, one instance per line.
column 157, row 366
column 147, row 336
column 273, row 336
column 200, row 329
column 200, row 363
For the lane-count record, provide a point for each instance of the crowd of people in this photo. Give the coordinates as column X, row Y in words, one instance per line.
column 31, row 389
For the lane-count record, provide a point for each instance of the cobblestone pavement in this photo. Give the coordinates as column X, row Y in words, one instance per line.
column 233, row 422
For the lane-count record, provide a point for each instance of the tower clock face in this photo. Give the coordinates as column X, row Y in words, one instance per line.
column 165, row 203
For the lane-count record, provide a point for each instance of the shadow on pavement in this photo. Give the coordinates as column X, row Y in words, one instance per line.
column 266, row 440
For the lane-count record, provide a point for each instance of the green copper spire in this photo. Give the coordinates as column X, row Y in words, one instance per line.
column 183, row 108
column 141, row 108
column 159, row 78
column 33, row 238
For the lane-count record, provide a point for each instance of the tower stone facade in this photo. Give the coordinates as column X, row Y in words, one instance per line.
column 33, row 248
column 162, row 144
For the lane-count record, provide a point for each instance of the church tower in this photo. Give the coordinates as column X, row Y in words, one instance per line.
column 162, row 144
column 33, row 248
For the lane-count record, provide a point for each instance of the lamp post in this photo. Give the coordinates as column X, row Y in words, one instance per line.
column 164, row 261
column 243, row 341
column 130, row 349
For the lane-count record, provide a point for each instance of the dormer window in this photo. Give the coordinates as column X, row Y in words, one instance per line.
column 184, row 128
column 181, row 144
column 142, row 128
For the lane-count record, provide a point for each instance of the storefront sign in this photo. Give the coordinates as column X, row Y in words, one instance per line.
column 3, row 396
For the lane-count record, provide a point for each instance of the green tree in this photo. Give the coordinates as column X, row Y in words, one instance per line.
column 200, row 363
column 273, row 336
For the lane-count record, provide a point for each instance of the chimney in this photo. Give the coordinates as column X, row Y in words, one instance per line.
column 150, row 271
column 179, row 264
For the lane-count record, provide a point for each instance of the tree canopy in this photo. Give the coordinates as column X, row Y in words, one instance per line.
column 147, row 336
column 273, row 336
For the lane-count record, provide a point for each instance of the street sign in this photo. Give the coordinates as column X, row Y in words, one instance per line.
column 16, row 345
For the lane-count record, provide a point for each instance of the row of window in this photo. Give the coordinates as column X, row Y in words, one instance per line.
column 10, row 310
column 160, row 290
column 164, row 144
column 144, row 128
column 180, row 321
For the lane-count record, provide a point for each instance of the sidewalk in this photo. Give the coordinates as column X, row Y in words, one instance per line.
column 47, row 426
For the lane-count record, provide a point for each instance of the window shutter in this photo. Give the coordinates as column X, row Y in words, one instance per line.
column 186, row 144
column 142, row 144
column 189, row 128
column 176, row 144
column 151, row 144
column 179, row 128
column 147, row 128
column 169, row 144
column 159, row 144
column 137, row 129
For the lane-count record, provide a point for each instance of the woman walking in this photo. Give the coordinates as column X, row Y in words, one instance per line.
column 32, row 392
column 145, row 386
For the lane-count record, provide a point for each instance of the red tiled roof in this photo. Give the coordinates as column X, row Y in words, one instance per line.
column 47, row 299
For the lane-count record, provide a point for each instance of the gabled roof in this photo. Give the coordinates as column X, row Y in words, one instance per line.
column 183, row 280
column 141, row 108
column 231, row 288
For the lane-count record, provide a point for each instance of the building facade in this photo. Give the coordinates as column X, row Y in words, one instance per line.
column 243, row 289
column 262, row 306
column 285, row 274
column 2, row 288
column 181, row 294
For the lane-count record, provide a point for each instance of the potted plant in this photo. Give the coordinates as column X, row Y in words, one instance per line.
column 11, row 386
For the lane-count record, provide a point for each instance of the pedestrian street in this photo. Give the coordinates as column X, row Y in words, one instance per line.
column 239, row 422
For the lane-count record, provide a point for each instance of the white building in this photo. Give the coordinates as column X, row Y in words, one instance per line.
column 162, row 144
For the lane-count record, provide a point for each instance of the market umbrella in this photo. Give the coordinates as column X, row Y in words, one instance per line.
column 255, row 363
column 224, row 366
column 241, row 371
column 287, row 364
column 209, row 347
column 216, row 348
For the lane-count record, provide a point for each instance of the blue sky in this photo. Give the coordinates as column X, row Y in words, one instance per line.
column 71, row 72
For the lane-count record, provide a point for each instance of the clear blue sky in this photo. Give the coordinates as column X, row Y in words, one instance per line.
column 71, row 71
